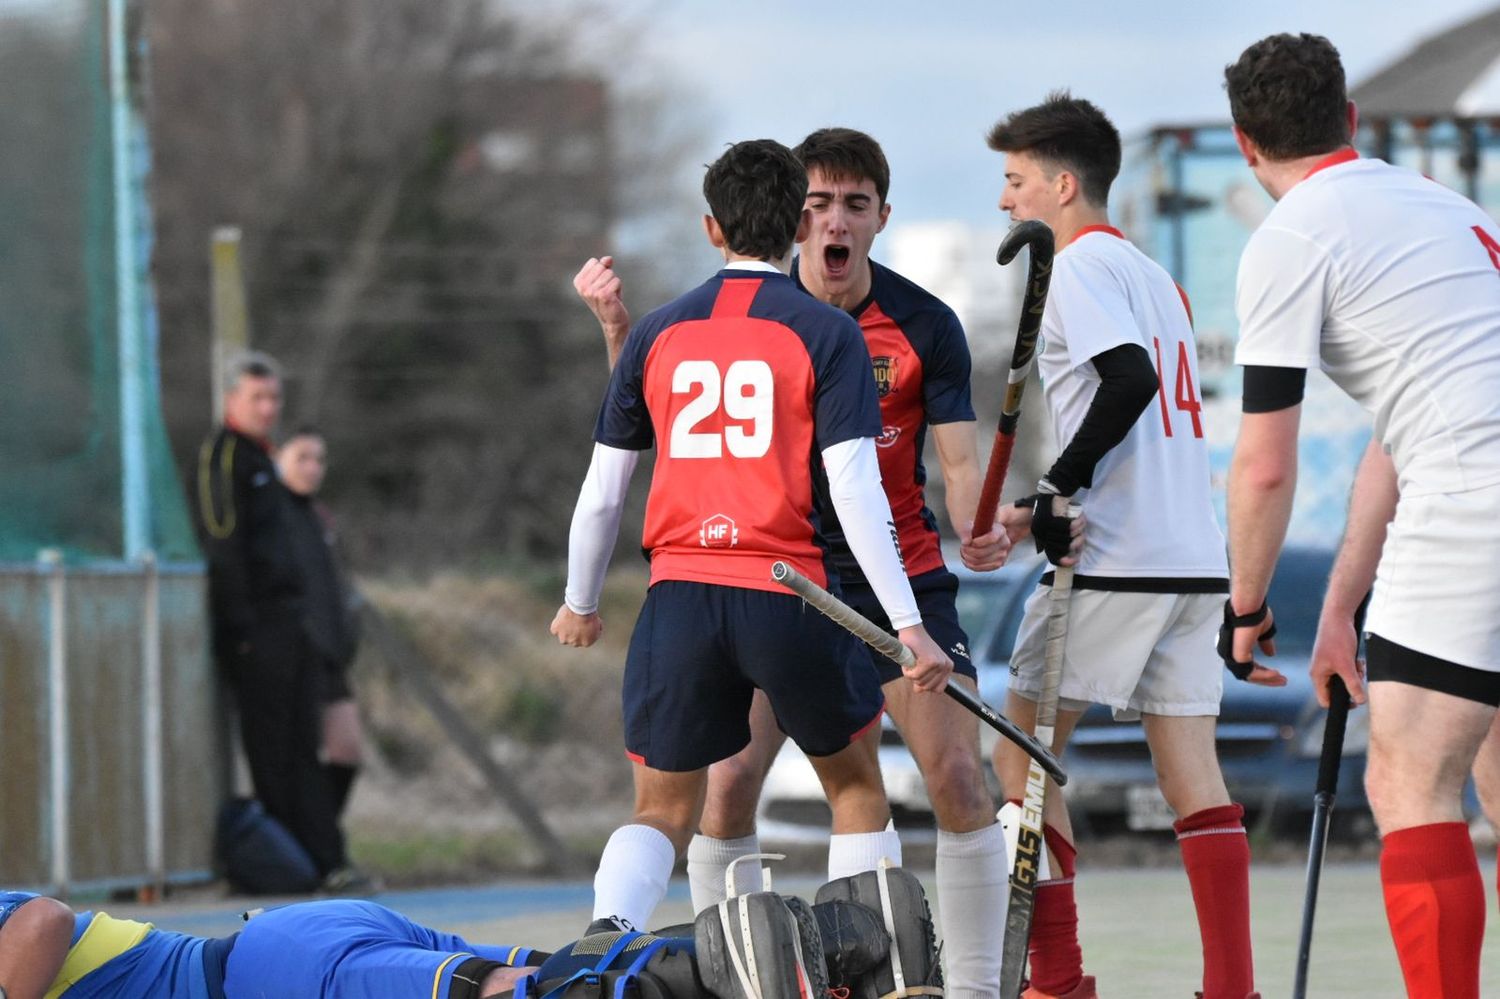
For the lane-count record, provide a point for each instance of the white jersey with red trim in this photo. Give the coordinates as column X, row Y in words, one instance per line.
column 1388, row 281
column 1150, row 513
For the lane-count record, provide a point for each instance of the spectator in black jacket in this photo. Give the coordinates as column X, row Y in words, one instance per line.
column 256, row 588
column 329, row 608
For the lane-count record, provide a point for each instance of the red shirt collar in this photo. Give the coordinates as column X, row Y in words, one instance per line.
column 1096, row 228
column 1332, row 160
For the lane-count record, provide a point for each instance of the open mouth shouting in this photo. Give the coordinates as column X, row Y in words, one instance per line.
column 836, row 262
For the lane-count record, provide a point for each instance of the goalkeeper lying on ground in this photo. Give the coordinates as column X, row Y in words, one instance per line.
column 761, row 945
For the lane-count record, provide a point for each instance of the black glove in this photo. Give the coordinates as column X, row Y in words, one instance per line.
column 1233, row 622
column 1053, row 533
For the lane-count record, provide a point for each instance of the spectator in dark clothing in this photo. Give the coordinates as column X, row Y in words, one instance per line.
column 330, row 605
column 256, row 588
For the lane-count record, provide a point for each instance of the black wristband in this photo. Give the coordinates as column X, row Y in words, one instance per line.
column 1232, row 623
column 1052, row 533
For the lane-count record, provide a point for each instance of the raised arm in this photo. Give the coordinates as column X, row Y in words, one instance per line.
column 599, row 286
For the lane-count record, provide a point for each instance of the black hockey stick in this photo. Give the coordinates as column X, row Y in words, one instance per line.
column 890, row 646
column 1323, row 799
column 1038, row 276
column 1031, row 841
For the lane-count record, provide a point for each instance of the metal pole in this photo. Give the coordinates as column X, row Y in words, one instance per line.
column 230, row 328
column 135, row 497
column 151, row 727
column 57, row 716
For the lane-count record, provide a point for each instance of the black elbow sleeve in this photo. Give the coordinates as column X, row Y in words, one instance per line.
column 1127, row 383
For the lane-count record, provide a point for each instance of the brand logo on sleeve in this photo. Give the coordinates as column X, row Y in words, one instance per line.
column 718, row 531
column 888, row 436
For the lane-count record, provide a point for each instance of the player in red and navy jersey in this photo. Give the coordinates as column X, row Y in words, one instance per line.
column 921, row 365
column 1116, row 339
column 748, row 389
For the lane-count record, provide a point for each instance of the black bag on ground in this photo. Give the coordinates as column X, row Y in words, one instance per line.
column 912, row 966
column 617, row 965
column 257, row 855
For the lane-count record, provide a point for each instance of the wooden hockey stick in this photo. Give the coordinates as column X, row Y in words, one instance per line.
column 1032, row 842
column 890, row 646
column 1038, row 277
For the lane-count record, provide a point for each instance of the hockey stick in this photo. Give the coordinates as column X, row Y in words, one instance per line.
column 1038, row 276
column 890, row 646
column 1323, row 798
column 1031, row 841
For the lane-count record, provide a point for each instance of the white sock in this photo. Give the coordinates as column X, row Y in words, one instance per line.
column 851, row 853
column 973, row 892
column 633, row 874
column 707, row 859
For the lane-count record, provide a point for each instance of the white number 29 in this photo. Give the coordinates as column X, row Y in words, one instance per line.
column 746, row 392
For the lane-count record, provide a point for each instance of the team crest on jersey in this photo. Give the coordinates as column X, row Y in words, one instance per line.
column 885, row 375
column 887, row 436
column 718, row 531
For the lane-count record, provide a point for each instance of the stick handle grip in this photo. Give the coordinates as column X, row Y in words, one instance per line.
column 1333, row 737
column 843, row 615
column 890, row 646
column 994, row 479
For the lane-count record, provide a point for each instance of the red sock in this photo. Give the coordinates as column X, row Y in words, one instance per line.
column 1434, row 898
column 1056, row 959
column 1216, row 854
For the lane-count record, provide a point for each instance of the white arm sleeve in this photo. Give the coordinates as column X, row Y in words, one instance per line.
column 865, row 515
column 596, row 522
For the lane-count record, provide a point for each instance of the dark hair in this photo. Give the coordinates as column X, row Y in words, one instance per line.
column 1287, row 95
column 1068, row 132
column 755, row 192
column 249, row 364
column 846, row 154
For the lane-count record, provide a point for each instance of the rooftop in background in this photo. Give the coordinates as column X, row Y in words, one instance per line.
column 1455, row 73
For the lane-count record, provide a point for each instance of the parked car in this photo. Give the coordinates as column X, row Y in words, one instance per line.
column 1269, row 739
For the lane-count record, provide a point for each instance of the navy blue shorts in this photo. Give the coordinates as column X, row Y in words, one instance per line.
column 699, row 651
column 936, row 593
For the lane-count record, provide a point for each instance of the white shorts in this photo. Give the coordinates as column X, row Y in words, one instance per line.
column 1438, row 586
column 1149, row 653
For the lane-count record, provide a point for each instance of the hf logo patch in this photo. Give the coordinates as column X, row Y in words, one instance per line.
column 885, row 375
column 887, row 436
column 718, row 531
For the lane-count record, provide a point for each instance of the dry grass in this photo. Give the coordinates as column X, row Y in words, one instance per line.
column 551, row 716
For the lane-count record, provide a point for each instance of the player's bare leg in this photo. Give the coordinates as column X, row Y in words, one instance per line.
column 972, row 869
column 1215, row 850
column 1487, row 774
column 1422, row 746
column 726, row 831
column 856, row 795
column 638, row 859
column 1054, row 955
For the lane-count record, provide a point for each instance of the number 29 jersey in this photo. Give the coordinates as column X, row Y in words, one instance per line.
column 740, row 384
column 1150, row 513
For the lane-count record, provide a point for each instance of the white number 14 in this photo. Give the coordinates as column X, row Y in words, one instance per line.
column 746, row 392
